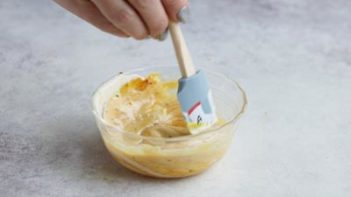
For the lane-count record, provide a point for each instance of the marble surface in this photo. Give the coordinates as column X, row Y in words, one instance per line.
column 292, row 57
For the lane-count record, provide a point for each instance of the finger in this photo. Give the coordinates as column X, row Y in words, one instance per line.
column 123, row 16
column 88, row 11
column 153, row 14
column 173, row 7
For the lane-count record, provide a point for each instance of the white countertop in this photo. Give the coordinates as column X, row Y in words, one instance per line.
column 292, row 57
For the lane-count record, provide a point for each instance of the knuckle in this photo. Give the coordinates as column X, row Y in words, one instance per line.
column 121, row 16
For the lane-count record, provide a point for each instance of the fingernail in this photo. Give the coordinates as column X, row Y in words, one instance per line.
column 183, row 14
column 163, row 35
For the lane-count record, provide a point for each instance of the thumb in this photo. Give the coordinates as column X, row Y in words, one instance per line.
column 176, row 9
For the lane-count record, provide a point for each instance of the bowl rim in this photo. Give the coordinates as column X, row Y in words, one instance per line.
column 232, row 120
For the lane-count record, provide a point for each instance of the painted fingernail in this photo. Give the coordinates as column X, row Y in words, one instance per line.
column 183, row 14
column 163, row 35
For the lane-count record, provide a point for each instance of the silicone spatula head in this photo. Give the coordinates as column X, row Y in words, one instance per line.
column 194, row 93
column 196, row 101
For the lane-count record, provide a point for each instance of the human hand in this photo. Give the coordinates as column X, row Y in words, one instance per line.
column 124, row 18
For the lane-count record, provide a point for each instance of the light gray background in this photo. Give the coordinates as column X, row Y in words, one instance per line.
column 292, row 57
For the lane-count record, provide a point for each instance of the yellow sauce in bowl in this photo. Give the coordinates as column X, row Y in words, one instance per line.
column 146, row 131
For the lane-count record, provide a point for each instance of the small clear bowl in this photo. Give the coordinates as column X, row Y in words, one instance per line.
column 178, row 156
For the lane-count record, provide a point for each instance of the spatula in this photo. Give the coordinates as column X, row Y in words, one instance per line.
column 194, row 93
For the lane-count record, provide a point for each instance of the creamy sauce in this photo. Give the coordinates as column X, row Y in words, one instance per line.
column 147, row 106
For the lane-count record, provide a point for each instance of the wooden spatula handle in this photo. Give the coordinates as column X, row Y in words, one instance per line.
column 182, row 52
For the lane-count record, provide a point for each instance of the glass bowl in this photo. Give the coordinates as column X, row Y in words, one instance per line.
column 178, row 156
